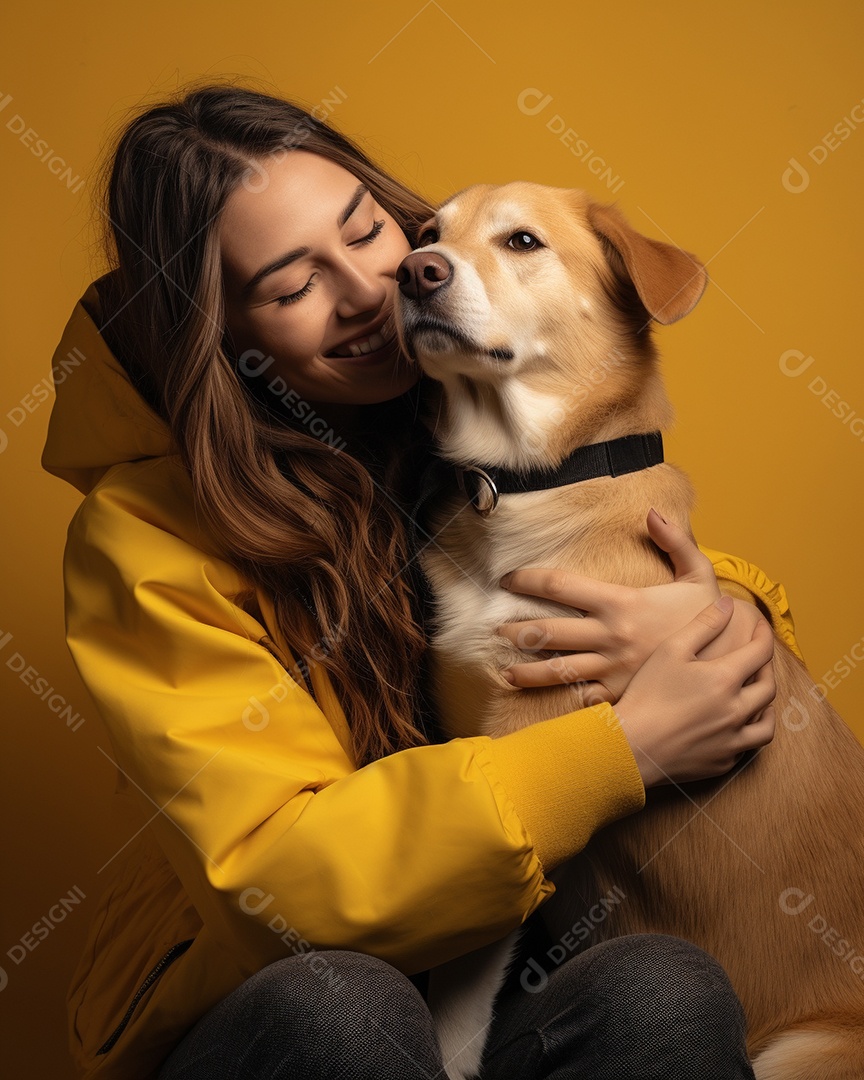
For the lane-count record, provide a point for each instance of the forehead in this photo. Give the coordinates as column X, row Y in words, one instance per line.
column 494, row 214
column 520, row 204
column 295, row 187
column 290, row 199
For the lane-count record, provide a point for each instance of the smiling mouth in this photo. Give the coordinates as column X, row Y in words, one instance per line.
column 365, row 345
column 384, row 335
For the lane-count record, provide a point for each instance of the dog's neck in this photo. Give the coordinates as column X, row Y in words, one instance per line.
column 512, row 426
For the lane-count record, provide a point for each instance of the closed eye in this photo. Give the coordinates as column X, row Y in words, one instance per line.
column 284, row 301
column 292, row 298
column 370, row 236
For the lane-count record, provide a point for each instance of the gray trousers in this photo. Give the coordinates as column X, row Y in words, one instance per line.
column 642, row 1007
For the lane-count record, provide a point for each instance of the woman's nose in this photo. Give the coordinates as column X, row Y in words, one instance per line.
column 360, row 290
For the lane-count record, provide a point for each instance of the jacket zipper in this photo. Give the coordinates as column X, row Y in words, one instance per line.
column 168, row 958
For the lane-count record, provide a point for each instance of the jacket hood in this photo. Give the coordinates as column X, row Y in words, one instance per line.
column 98, row 419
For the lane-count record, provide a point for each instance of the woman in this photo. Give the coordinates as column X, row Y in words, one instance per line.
column 243, row 608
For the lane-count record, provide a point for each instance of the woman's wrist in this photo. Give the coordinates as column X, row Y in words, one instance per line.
column 568, row 777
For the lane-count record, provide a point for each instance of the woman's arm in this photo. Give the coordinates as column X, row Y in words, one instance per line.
column 415, row 858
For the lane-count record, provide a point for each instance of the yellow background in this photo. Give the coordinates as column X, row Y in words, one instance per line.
column 696, row 109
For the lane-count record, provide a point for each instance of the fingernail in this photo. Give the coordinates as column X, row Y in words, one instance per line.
column 657, row 512
column 508, row 675
column 724, row 604
column 505, row 581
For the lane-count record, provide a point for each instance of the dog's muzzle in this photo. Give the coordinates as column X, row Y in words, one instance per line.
column 421, row 277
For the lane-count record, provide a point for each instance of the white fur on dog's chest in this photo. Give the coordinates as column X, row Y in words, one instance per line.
column 468, row 616
column 470, row 603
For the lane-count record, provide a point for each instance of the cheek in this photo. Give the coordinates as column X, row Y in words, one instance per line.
column 292, row 337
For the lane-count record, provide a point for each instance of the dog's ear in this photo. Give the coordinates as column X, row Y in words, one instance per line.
column 669, row 281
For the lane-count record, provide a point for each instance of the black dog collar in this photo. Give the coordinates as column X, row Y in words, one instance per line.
column 483, row 484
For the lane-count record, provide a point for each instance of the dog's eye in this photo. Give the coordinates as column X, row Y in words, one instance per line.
column 523, row 241
column 428, row 236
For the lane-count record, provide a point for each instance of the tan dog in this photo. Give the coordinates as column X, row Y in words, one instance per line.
column 530, row 305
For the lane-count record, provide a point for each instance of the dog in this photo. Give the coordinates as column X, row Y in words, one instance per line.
column 530, row 308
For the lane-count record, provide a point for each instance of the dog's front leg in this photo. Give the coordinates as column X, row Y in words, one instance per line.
column 461, row 996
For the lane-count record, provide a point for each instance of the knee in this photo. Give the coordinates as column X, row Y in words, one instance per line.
column 336, row 992
column 670, row 984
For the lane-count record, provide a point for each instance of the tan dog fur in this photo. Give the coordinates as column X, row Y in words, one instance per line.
column 711, row 864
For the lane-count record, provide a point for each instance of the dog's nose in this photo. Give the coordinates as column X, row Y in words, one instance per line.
column 421, row 273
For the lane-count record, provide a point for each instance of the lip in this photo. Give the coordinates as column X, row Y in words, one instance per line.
column 367, row 333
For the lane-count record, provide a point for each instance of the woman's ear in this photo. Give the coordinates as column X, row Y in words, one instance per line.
column 669, row 281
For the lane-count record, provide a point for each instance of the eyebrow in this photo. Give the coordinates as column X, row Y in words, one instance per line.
column 298, row 253
column 354, row 202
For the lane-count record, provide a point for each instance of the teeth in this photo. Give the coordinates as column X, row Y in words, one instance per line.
column 366, row 345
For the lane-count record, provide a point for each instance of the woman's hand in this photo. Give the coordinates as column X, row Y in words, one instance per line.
column 622, row 626
column 688, row 718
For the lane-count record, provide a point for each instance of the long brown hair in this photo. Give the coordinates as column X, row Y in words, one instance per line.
column 322, row 530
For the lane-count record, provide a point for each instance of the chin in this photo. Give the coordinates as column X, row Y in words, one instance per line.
column 389, row 387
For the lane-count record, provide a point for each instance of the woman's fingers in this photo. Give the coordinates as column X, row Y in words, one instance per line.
column 706, row 626
column 568, row 635
column 579, row 667
column 754, row 658
column 689, row 718
column 573, row 590
column 758, row 693
column 688, row 561
column 760, row 731
column 584, row 641
column 745, row 616
column 750, row 666
column 622, row 626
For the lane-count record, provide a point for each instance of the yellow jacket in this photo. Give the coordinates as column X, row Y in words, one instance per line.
column 255, row 835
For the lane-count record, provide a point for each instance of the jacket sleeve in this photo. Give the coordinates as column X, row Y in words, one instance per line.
column 737, row 577
column 415, row 858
